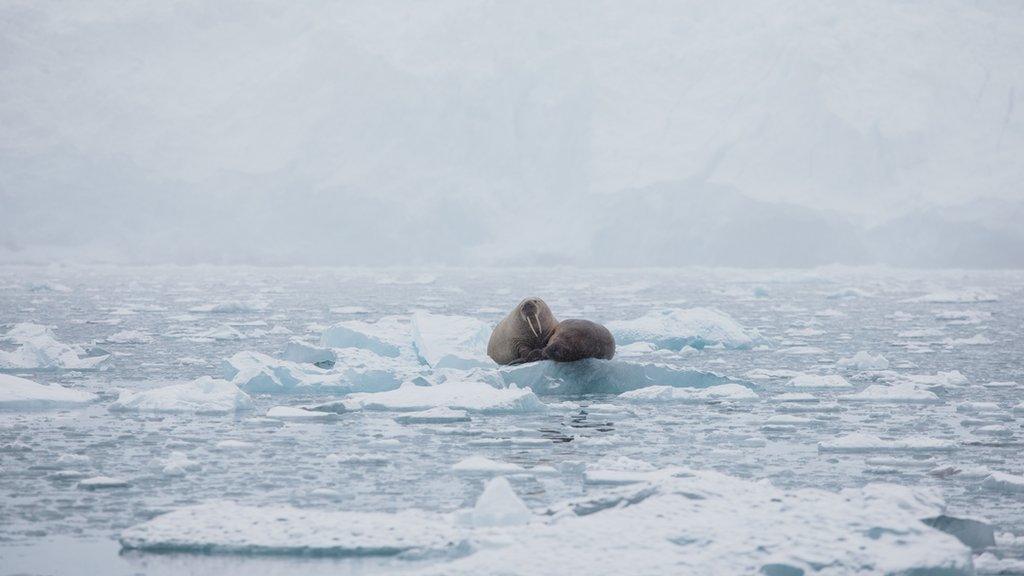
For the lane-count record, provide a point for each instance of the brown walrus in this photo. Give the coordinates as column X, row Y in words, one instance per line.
column 531, row 333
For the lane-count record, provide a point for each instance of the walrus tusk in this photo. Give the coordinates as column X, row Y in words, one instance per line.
column 531, row 326
column 540, row 329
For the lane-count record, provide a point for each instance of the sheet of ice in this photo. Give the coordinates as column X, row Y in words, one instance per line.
column 678, row 327
column 718, row 393
column 819, row 381
column 858, row 442
column 775, row 374
column 387, row 336
column 962, row 317
column 299, row 413
column 480, row 464
column 1001, row 385
column 498, row 505
column 220, row 333
column 864, row 361
column 129, row 337
column 229, row 307
column 1003, row 482
column 451, row 341
column 616, row 470
column 353, row 371
column 951, row 378
column 593, row 376
column 468, row 395
column 438, row 415
column 38, row 349
column 976, row 340
column 305, row 353
column 905, row 392
column 227, row 527
column 22, row 394
column 802, row 351
column 102, row 483
column 708, row 523
column 204, row 395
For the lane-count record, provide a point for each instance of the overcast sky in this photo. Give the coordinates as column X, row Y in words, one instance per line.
column 507, row 132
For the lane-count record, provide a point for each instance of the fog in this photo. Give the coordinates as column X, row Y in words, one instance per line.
column 763, row 134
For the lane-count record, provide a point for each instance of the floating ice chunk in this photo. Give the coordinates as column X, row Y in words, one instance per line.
column 816, row 381
column 802, row 351
column 970, row 295
column 227, row 527
column 386, row 337
column 357, row 458
column 829, row 313
column 858, row 442
column 1003, row 482
column 864, row 361
column 765, row 374
column 462, row 395
column 962, row 317
column 39, row 349
column 498, row 505
column 73, row 461
column 438, row 415
column 1000, row 384
column 920, row 333
column 952, row 378
column 23, row 394
column 299, row 413
column 480, row 464
column 129, row 337
column 229, row 307
column 102, row 483
column 902, row 393
column 719, row 393
column 176, row 464
column 233, row 445
column 304, row 353
column 731, row 526
column 354, row 371
column 849, row 293
column 676, row 328
column 1019, row 408
column 977, row 407
column 976, row 340
column 593, row 376
column 795, row 397
column 349, row 310
column 451, row 341
column 222, row 332
column 279, row 330
column 993, row 430
column 990, row 563
column 616, row 470
column 203, row 395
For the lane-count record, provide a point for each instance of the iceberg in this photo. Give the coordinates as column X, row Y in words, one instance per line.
column 305, row 353
column 460, row 395
column 23, row 394
column 718, row 393
column 498, row 505
column 39, row 349
column 677, row 328
column 354, row 371
column 387, row 336
column 451, row 341
column 857, row 442
column 864, row 361
column 592, row 376
column 203, row 395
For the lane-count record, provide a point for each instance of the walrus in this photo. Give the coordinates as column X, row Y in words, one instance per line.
column 531, row 333
column 526, row 328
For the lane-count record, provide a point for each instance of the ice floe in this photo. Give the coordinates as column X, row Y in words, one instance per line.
column 819, row 381
column 386, row 336
column 1003, row 482
column 970, row 295
column 676, row 328
column 354, row 371
column 438, row 415
column 38, row 349
column 460, row 395
column 593, row 376
column 976, row 340
column 102, row 483
column 299, row 413
column 451, row 341
column 22, row 394
column 203, row 395
column 904, row 392
column 864, row 361
column 228, row 307
column 717, row 393
column 498, row 505
column 482, row 465
column 129, row 337
column 858, row 442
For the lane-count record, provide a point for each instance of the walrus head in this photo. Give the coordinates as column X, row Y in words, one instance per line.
column 538, row 318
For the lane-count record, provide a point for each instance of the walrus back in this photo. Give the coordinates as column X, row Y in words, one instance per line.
column 579, row 339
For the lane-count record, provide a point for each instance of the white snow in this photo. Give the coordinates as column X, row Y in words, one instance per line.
column 480, row 464
column 677, row 328
column 438, row 415
column 816, row 381
column 1003, row 482
column 203, row 395
column 858, row 442
column 864, row 361
column 462, row 395
column 451, row 341
column 22, row 394
column 39, row 349
column 498, row 505
column 721, row 392
column 904, row 392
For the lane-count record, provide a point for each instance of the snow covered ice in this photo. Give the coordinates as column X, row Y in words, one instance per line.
column 385, row 432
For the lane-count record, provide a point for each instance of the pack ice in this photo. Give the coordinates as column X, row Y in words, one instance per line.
column 203, row 395
column 681, row 521
column 680, row 327
column 23, row 394
column 594, row 376
column 39, row 349
column 470, row 395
